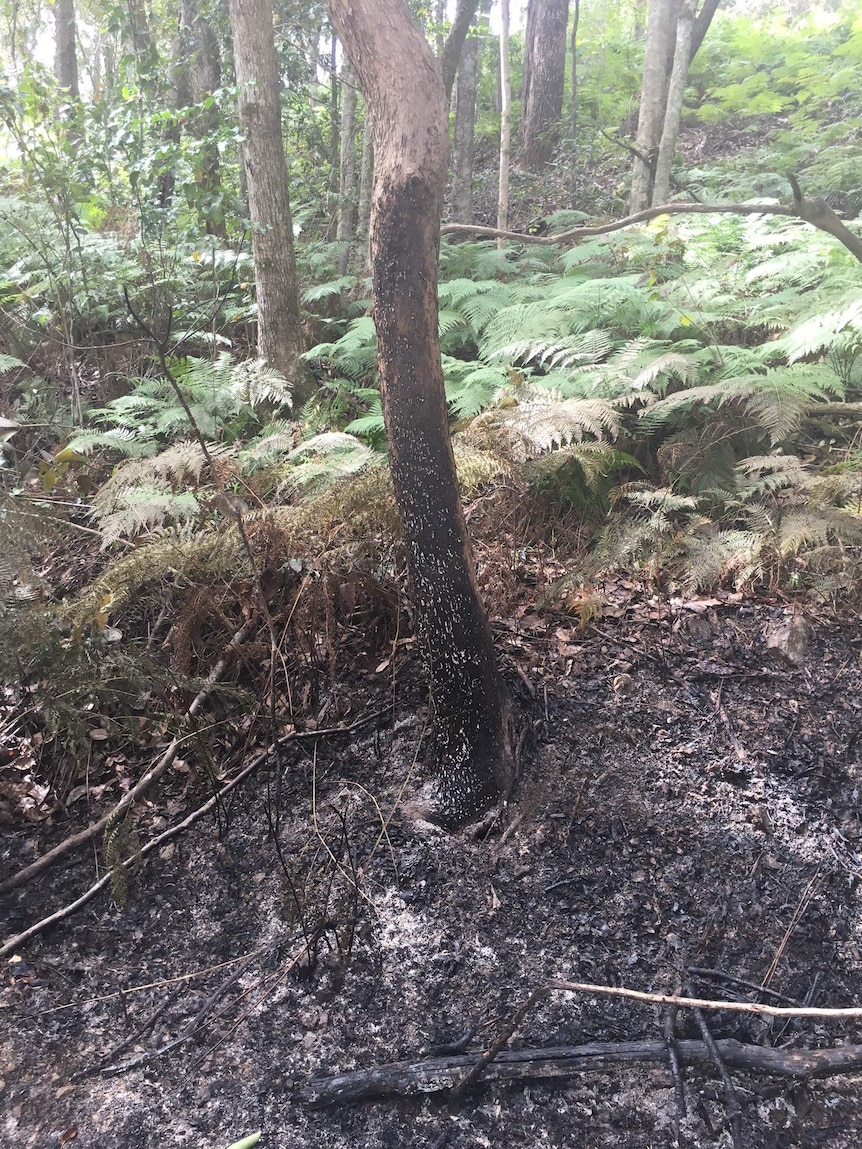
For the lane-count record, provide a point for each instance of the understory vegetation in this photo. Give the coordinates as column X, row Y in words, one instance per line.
column 683, row 399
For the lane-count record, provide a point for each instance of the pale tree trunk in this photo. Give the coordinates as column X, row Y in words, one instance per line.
column 450, row 53
column 573, row 111
column 465, row 128
column 675, row 99
column 544, row 77
column 65, row 53
column 347, row 175
column 661, row 28
column 505, row 123
column 334, row 138
column 573, row 54
column 279, row 333
column 366, row 181
column 403, row 85
column 439, row 17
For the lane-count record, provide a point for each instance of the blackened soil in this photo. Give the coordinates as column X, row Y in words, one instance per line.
column 692, row 801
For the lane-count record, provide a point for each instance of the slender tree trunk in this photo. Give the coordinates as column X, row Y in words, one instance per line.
column 465, row 125
column 279, row 334
column 544, row 77
column 404, row 88
column 505, row 123
column 200, row 48
column 366, row 182
column 334, row 138
column 450, row 54
column 143, row 48
column 65, row 53
column 701, row 26
column 675, row 99
column 347, row 181
column 573, row 112
column 661, row 27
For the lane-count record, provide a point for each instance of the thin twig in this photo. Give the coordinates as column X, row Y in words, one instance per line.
column 705, row 1003
column 733, row 1107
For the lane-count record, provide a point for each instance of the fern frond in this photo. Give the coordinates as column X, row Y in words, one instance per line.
column 325, row 461
column 126, row 441
column 543, row 422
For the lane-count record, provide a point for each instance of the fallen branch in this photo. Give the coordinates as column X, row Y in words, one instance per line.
column 405, row 1078
column 152, row 775
column 843, row 1012
column 816, row 212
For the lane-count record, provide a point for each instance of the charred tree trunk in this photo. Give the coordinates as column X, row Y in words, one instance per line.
column 544, row 76
column 279, row 334
column 65, row 53
column 661, row 31
column 403, row 86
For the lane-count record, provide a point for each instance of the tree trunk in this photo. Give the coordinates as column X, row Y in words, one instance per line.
column 450, row 54
column 505, row 123
column 200, row 48
column 347, row 176
column 701, row 26
column 334, row 139
column 573, row 112
column 65, row 54
column 465, row 125
column 661, row 29
column 544, row 76
column 403, row 86
column 279, row 334
column 366, row 181
column 673, row 108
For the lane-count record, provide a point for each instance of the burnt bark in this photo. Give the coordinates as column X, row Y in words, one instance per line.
column 436, row 1074
column 403, row 87
column 544, row 75
column 279, row 337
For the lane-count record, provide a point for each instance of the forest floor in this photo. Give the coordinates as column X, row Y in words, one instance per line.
column 691, row 802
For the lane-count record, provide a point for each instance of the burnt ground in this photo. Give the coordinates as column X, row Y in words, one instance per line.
column 692, row 800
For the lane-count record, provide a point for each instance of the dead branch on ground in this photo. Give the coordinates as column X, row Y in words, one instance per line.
column 406, row 1078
